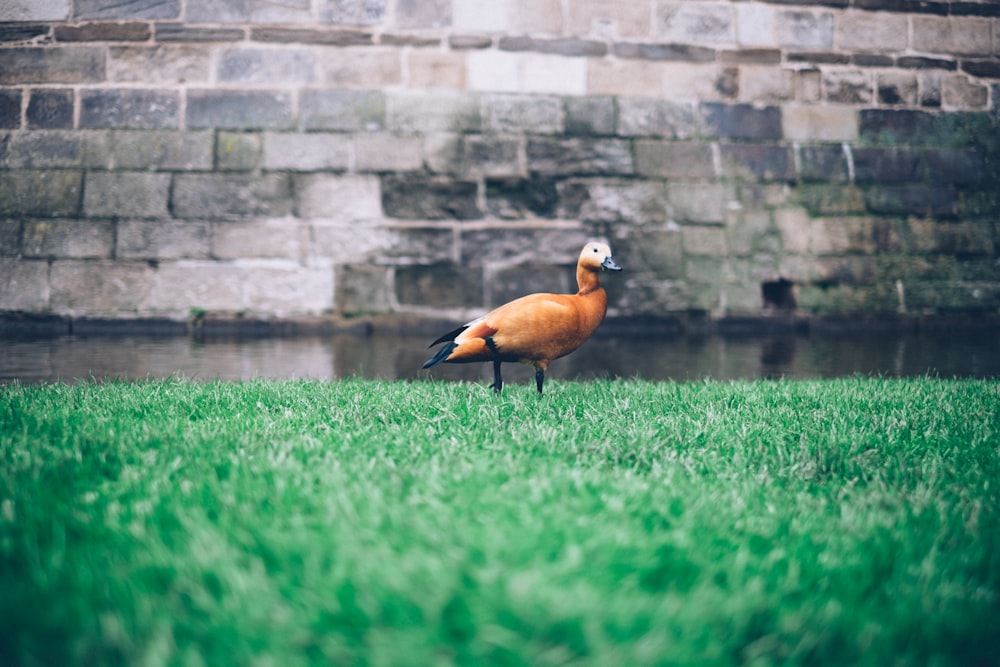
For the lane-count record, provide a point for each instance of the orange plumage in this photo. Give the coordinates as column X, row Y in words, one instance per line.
column 537, row 328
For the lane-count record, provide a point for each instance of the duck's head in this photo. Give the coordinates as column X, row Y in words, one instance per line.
column 596, row 256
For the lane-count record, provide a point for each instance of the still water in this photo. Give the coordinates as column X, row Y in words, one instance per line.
column 678, row 357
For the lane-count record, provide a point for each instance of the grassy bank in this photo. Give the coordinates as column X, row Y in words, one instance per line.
column 389, row 523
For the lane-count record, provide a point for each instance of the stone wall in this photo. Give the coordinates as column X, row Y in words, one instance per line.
column 163, row 158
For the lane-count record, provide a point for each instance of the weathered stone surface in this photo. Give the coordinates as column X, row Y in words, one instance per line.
column 910, row 199
column 804, row 29
column 129, row 108
column 439, row 286
column 422, row 113
column 221, row 196
column 707, row 241
column 530, row 114
column 260, row 237
column 793, row 226
column 848, row 87
column 306, row 151
column 888, row 165
column 765, row 84
column 500, row 247
column 674, row 159
column 352, row 12
column 24, row 285
column 952, row 35
column 862, row 30
column 741, row 121
column 99, row 287
column 827, row 199
column 385, row 152
column 102, row 32
column 163, row 239
column 10, row 237
column 40, row 193
column 342, row 110
column 423, row 13
column 162, row 150
column 657, row 51
column 158, row 64
column 10, row 109
column 433, row 69
column 489, row 155
column 958, row 166
column 917, row 128
column 854, row 235
column 362, row 68
column 579, row 156
column 656, row 117
column 520, row 198
column 48, row 109
column 55, row 149
column 348, row 198
column 237, row 109
column 757, row 162
column 67, row 239
column 126, row 194
column 179, row 32
column 248, row 65
column 35, row 10
column 823, row 162
column 897, row 88
column 362, row 288
column 815, row 123
column 959, row 91
column 422, row 198
column 613, row 201
column 463, row 42
column 699, row 202
column 589, row 115
column 696, row 23
column 237, row 151
column 127, row 9
column 70, row 64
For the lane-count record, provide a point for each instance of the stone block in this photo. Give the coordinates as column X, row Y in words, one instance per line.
column 248, row 65
column 433, row 69
column 40, row 193
column 99, row 287
column 509, row 283
column 10, row 109
column 220, row 11
column 912, row 199
column 37, row 10
column 566, row 46
column 848, row 87
column 366, row 12
column 129, row 10
column 643, row 116
column 957, row 166
column 661, row 51
column 362, row 289
column 750, row 232
column 54, row 149
column 550, row 74
column 854, row 235
column 521, row 198
column 804, row 29
column 702, row 240
column 865, row 30
column 759, row 84
column 238, row 109
column 67, row 239
column 815, row 123
column 22, row 32
column 237, row 151
column 757, row 162
column 439, row 286
column 793, row 225
column 24, row 285
column 222, row 196
column 888, row 165
column 103, row 32
column 929, row 84
column 313, row 151
column 442, row 112
column 423, row 14
column 489, row 155
column 601, row 18
column 482, row 15
column 415, row 197
column 524, row 114
column 69, row 64
column 163, row 239
column 711, row 23
column 345, row 110
column 952, row 35
column 830, row 199
column 755, row 25
column 653, row 250
column 699, row 202
column 179, row 287
column 259, row 238
column 362, row 68
column 48, row 108
column 503, row 246
column 674, row 159
column 610, row 200
column 808, row 86
column 589, row 115
column 126, row 194
column 579, row 156
column 897, row 88
column 162, row 150
column 382, row 151
column 182, row 32
column 284, row 288
column 624, row 78
column 347, row 198
column 384, row 246
column 129, row 108
column 922, row 128
column 466, row 42
column 160, row 64
column 10, row 237
column 959, row 91
column 741, row 121
column 823, row 163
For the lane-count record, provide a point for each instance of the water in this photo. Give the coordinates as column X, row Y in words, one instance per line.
column 678, row 357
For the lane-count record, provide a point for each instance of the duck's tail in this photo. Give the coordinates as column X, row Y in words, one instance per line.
column 441, row 355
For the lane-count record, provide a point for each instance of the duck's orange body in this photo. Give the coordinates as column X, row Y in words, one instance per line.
column 537, row 328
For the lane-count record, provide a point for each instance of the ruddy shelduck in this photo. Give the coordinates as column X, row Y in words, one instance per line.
column 536, row 328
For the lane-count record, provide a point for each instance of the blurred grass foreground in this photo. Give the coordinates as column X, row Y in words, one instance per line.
column 838, row 522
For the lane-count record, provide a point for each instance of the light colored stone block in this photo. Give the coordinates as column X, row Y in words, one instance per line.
column 126, row 195
column 553, row 75
column 306, row 151
column 171, row 239
column 285, row 238
column 285, row 288
column 345, row 198
column 482, row 15
column 497, row 71
column 700, row 23
column 68, row 239
column 360, row 67
column 610, row 19
column 180, row 287
column 793, row 225
column 24, row 285
column 815, row 123
column 34, row 10
column 161, row 64
column 755, row 25
column 804, row 29
column 872, row 31
column 711, row 241
column 699, row 202
column 631, row 78
column 689, row 81
column 762, row 83
column 102, row 287
column 421, row 113
column 382, row 151
column 433, row 69
column 952, row 35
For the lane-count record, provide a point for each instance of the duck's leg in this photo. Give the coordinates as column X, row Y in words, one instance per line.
column 497, row 380
column 539, row 379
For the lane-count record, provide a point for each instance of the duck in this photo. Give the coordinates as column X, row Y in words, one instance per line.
column 534, row 329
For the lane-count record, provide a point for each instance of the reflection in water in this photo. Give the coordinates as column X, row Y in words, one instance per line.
column 681, row 357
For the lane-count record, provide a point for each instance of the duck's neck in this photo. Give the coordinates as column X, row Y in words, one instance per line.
column 587, row 280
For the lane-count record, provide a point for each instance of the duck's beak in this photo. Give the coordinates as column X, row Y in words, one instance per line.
column 610, row 265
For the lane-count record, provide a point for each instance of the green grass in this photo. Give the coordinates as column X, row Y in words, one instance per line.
column 608, row 523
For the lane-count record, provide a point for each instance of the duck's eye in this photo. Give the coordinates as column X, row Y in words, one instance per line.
column 595, row 249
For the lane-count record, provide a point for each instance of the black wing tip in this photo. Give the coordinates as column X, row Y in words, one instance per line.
column 441, row 355
column 451, row 335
